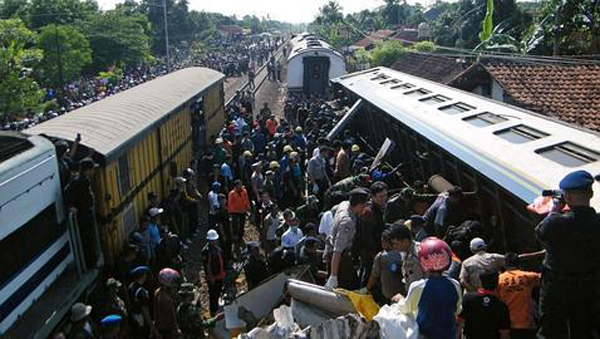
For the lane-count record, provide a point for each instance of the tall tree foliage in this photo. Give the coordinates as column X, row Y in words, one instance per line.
column 66, row 53
column 118, row 39
column 19, row 92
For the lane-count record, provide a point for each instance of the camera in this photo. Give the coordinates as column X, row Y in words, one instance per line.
column 555, row 194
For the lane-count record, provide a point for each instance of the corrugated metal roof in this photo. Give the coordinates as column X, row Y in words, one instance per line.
column 109, row 124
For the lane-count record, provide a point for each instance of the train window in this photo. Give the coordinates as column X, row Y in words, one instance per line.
column 569, row 154
column 405, row 85
column 456, row 108
column 380, row 77
column 434, row 100
column 520, row 134
column 391, row 81
column 124, row 180
column 485, row 119
column 418, row 93
column 27, row 242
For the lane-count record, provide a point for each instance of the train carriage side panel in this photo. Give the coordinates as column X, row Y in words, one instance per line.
column 214, row 111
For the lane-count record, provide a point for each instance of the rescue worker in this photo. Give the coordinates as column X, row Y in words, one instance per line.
column 370, row 227
column 437, row 300
column 570, row 277
column 165, row 308
column 238, row 206
column 479, row 262
column 189, row 314
column 339, row 244
column 214, row 269
column 256, row 269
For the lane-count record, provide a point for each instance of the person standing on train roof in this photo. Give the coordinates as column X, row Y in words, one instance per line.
column 339, row 244
column 569, row 297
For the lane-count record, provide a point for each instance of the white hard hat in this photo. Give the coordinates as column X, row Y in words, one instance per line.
column 154, row 211
column 212, row 235
column 477, row 244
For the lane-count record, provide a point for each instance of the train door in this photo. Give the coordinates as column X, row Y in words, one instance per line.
column 316, row 74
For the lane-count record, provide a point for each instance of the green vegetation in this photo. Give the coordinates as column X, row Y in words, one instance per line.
column 18, row 56
column 36, row 34
column 73, row 49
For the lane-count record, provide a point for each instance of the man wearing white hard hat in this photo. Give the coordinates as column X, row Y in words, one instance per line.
column 479, row 262
column 214, row 269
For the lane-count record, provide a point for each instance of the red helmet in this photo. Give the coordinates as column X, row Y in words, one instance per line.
column 168, row 277
column 434, row 255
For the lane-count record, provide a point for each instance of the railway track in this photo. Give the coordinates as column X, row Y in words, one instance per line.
column 261, row 77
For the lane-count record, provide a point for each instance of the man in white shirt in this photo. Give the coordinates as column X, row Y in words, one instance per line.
column 292, row 236
column 326, row 223
column 213, row 204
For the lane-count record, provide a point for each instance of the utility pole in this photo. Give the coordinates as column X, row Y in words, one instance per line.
column 60, row 68
column 167, row 36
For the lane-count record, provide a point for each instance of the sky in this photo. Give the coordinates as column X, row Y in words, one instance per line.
column 294, row 11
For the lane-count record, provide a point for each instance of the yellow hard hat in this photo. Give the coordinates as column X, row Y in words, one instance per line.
column 293, row 155
column 247, row 154
column 287, row 148
column 355, row 148
column 274, row 165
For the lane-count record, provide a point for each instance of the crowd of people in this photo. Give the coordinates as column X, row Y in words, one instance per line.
column 233, row 58
column 314, row 199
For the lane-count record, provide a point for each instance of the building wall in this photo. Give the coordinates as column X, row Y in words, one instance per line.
column 497, row 91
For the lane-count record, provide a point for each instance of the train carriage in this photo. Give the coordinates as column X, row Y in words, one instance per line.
column 506, row 154
column 312, row 63
column 142, row 138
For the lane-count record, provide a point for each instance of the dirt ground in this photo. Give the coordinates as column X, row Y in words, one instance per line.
column 274, row 93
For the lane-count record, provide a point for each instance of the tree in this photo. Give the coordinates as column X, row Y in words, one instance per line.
column 330, row 14
column 118, row 39
column 65, row 50
column 61, row 12
column 386, row 53
column 18, row 90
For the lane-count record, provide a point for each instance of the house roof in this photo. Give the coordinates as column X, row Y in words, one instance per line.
column 110, row 124
column 429, row 66
column 233, row 29
column 432, row 14
column 374, row 36
column 569, row 92
column 408, row 34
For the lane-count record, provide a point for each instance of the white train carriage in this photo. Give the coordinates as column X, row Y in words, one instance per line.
column 507, row 154
column 34, row 242
column 312, row 63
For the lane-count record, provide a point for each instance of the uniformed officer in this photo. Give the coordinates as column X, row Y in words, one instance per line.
column 570, row 276
column 189, row 314
column 339, row 243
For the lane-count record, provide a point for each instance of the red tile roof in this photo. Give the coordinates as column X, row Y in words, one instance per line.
column 374, row 36
column 568, row 92
column 430, row 66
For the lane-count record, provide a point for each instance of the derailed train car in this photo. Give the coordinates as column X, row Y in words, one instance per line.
column 505, row 154
column 142, row 138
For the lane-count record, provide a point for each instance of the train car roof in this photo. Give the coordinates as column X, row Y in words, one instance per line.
column 522, row 151
column 109, row 125
column 309, row 44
